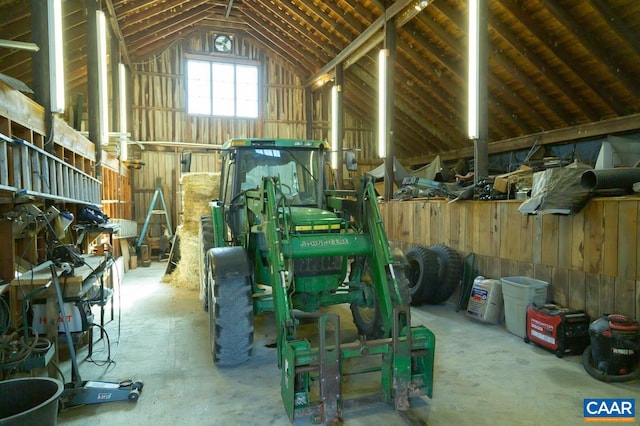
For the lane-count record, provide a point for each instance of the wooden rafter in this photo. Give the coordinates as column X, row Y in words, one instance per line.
column 592, row 46
column 549, row 44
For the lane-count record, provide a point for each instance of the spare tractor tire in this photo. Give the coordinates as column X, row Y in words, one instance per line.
column 449, row 274
column 422, row 273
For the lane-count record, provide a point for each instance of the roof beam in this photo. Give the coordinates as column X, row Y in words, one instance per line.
column 587, row 131
column 593, row 48
column 616, row 23
column 227, row 13
column 157, row 13
column 295, row 59
column 320, row 49
column 115, row 26
column 159, row 20
column 441, row 140
column 168, row 28
column 542, row 37
column 455, row 16
column 397, row 8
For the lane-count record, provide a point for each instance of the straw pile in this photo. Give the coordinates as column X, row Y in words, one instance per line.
column 198, row 190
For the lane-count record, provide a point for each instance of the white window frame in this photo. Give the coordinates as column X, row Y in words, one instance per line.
column 200, row 90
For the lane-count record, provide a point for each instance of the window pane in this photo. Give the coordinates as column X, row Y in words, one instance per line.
column 223, row 89
column 247, row 91
column 199, row 87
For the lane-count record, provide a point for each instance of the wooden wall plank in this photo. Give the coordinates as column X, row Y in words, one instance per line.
column 560, row 286
column 445, row 223
column 435, row 222
column 544, row 273
column 482, row 233
column 526, row 238
column 418, row 224
column 625, row 296
column 455, row 231
column 466, row 223
column 549, row 240
column 525, row 269
column 565, row 229
column 592, row 295
column 606, row 296
column 627, row 240
column 508, row 268
column 577, row 241
column 536, row 245
column 593, row 236
column 577, row 289
column 503, row 219
column 494, row 230
column 494, row 267
column 425, row 226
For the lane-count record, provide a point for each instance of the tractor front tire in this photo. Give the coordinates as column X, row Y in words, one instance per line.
column 205, row 242
column 368, row 320
column 230, row 317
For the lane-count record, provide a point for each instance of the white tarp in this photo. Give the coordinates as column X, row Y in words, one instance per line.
column 399, row 172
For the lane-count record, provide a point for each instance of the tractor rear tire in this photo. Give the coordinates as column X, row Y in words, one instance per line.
column 230, row 318
column 449, row 274
column 205, row 242
column 422, row 273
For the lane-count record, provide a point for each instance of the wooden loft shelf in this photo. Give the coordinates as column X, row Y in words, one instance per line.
column 37, row 168
column 26, row 169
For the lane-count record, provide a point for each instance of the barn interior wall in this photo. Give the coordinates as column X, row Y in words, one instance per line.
column 159, row 115
column 591, row 260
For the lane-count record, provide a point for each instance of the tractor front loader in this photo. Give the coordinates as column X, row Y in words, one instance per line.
column 280, row 239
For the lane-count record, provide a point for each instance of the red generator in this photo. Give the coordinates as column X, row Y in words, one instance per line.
column 557, row 329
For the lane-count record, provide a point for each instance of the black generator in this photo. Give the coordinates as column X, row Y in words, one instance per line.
column 558, row 329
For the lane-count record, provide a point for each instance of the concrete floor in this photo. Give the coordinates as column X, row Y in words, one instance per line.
column 483, row 374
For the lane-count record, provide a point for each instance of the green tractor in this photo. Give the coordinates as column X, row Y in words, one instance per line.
column 281, row 240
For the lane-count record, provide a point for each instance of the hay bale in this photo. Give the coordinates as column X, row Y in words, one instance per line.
column 197, row 190
column 187, row 271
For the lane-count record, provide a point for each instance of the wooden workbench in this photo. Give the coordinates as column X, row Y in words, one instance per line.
column 73, row 287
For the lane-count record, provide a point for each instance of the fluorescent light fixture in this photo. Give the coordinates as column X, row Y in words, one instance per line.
column 21, row 45
column 56, row 57
column 382, row 102
column 474, row 70
column 122, row 109
column 421, row 5
column 102, row 78
column 334, row 126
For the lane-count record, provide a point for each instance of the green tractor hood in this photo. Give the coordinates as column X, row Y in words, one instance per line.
column 312, row 219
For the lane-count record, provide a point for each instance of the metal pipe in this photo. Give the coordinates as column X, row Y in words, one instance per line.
column 623, row 177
